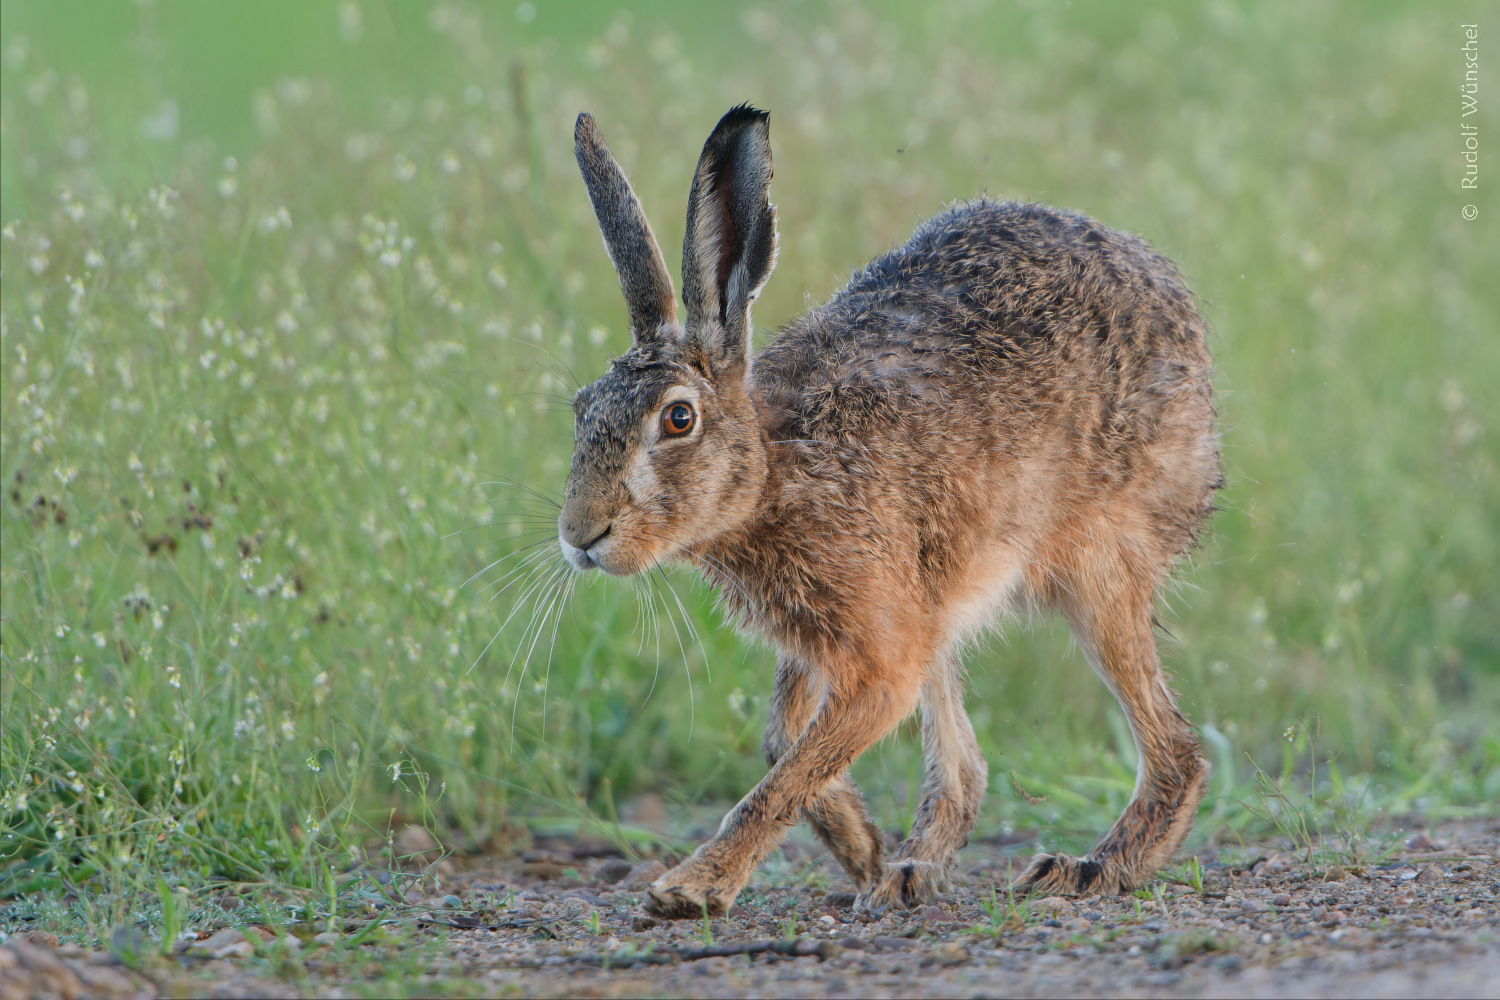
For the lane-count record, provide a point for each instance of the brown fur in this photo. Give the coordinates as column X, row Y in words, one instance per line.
column 1013, row 407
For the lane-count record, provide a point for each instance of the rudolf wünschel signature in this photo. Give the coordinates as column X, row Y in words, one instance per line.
column 1468, row 122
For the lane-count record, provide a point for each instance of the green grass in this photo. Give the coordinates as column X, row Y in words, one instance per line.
column 259, row 377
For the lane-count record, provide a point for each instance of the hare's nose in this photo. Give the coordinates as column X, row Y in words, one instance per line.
column 596, row 539
column 582, row 532
column 579, row 553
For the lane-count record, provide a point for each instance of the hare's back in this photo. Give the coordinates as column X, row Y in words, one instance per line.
column 1004, row 336
column 990, row 305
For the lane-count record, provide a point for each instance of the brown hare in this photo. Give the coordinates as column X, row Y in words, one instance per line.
column 1013, row 407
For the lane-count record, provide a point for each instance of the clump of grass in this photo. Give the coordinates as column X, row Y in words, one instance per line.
column 1004, row 916
column 1327, row 821
column 1189, row 874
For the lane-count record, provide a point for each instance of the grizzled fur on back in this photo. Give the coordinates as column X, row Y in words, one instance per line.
column 1012, row 407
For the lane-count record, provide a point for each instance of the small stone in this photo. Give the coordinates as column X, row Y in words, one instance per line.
column 1430, row 873
column 220, row 939
column 106, row 982
column 1335, row 874
column 842, row 900
column 36, row 971
column 934, row 914
column 822, row 949
column 130, row 943
column 645, row 873
column 1231, row 963
column 326, row 939
column 240, row 949
column 614, row 870
column 855, row 943
column 452, row 901
column 827, row 921
column 1282, row 899
column 883, row 943
column 42, row 939
column 738, row 912
column 642, row 923
column 1419, row 842
column 1056, row 906
column 1253, row 905
column 951, row 953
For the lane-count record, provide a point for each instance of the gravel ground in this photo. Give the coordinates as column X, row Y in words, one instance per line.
column 558, row 922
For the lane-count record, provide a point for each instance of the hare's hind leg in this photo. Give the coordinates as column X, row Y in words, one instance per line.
column 1107, row 600
column 837, row 815
column 951, row 791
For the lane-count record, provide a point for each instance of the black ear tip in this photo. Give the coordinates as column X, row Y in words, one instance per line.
column 743, row 116
column 585, row 127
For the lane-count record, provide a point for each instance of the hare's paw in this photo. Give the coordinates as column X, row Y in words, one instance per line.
column 905, row 883
column 1060, row 875
column 690, row 889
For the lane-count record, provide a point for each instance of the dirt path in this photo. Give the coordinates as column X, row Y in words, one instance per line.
column 1426, row 923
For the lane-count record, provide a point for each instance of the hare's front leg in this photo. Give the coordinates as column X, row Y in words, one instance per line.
column 1109, row 609
column 837, row 814
column 954, row 785
column 846, row 723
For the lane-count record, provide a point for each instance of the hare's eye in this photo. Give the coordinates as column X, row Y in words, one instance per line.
column 677, row 419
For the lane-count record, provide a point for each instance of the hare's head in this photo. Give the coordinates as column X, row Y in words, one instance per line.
column 667, row 445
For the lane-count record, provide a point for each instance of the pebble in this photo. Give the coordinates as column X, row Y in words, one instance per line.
column 226, row 943
column 934, row 913
column 1282, row 899
column 1056, row 906
column 614, row 870
column 951, row 953
column 883, row 943
column 644, row 874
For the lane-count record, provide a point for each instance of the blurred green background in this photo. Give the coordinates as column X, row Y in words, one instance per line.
column 289, row 287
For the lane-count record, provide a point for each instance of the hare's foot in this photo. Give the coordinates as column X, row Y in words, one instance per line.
column 690, row 889
column 905, row 883
column 1060, row 875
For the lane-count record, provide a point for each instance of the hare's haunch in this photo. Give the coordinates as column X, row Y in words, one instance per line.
column 1014, row 407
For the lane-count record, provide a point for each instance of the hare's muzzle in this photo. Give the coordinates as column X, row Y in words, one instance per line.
column 584, row 542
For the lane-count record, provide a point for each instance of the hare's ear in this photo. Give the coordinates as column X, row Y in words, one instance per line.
column 628, row 238
column 729, row 247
